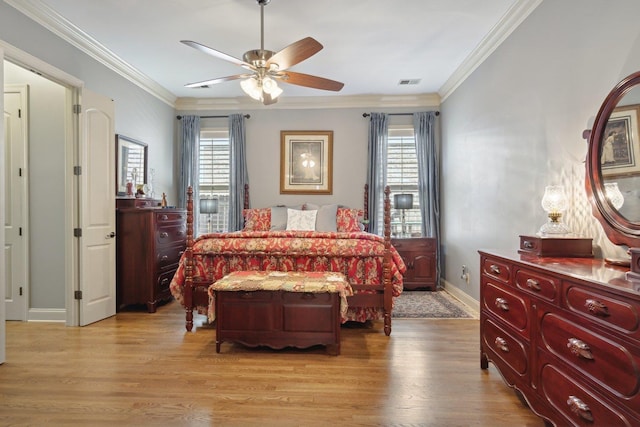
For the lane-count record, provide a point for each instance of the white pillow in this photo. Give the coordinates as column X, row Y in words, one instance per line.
column 301, row 220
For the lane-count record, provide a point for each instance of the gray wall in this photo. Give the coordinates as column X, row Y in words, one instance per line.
column 138, row 115
column 515, row 126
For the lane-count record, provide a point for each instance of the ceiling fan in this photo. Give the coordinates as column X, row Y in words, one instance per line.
column 266, row 67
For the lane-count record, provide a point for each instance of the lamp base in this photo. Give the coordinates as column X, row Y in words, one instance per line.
column 553, row 228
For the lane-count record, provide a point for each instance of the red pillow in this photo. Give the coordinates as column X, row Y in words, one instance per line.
column 347, row 219
column 257, row 219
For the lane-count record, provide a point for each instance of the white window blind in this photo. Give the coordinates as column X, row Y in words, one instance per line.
column 402, row 177
column 214, row 178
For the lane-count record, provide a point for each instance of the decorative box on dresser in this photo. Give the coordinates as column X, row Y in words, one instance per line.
column 150, row 241
column 419, row 255
column 564, row 332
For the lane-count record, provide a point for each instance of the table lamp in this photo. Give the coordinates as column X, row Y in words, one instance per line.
column 555, row 203
column 402, row 202
column 208, row 206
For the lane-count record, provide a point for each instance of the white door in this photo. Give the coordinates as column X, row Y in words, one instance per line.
column 16, row 218
column 97, row 264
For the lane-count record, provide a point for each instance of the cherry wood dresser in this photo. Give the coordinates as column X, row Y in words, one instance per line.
column 150, row 241
column 565, row 333
column 419, row 255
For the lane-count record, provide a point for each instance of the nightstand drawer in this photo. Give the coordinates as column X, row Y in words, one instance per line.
column 415, row 244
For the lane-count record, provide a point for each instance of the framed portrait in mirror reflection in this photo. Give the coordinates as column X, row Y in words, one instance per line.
column 620, row 145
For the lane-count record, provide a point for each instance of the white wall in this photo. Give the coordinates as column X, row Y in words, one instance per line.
column 515, row 126
column 2, row 221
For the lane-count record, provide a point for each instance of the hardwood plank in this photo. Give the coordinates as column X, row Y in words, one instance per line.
column 138, row 368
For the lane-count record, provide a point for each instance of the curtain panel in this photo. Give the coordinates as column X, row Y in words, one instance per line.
column 238, row 171
column 428, row 179
column 377, row 169
column 189, row 155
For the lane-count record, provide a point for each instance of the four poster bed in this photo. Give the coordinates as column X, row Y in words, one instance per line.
column 371, row 265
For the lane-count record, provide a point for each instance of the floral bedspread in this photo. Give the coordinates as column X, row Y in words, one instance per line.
column 292, row 281
column 358, row 255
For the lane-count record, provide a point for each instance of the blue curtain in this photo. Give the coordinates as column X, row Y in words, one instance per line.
column 238, row 170
column 428, row 179
column 189, row 154
column 377, row 170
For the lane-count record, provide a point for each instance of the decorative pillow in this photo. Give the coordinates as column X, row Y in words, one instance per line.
column 326, row 218
column 347, row 219
column 257, row 219
column 301, row 220
column 279, row 216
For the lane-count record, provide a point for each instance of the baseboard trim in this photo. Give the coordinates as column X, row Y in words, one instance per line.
column 47, row 315
column 464, row 298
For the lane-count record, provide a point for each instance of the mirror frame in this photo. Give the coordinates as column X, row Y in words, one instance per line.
column 122, row 142
column 617, row 228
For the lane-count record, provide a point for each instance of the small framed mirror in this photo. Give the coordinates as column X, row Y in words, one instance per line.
column 131, row 163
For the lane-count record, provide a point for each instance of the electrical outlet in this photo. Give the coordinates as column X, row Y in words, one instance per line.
column 465, row 274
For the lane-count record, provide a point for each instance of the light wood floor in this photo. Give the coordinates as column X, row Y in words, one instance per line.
column 145, row 369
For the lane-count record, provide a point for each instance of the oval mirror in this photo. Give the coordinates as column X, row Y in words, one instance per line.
column 613, row 163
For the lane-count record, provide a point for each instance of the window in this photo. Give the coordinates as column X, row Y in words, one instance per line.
column 402, row 177
column 214, row 178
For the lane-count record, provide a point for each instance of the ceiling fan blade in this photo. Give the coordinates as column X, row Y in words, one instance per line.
column 295, row 53
column 217, row 54
column 308, row 80
column 206, row 83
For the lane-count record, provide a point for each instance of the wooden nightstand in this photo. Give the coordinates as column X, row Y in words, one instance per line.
column 419, row 255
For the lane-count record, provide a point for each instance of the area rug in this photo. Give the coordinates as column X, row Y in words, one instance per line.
column 429, row 304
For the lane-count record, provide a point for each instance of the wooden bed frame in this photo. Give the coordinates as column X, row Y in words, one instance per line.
column 195, row 292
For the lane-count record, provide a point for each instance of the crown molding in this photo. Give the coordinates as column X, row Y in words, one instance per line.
column 315, row 102
column 499, row 33
column 50, row 19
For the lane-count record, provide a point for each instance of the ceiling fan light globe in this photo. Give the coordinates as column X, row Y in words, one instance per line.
column 250, row 87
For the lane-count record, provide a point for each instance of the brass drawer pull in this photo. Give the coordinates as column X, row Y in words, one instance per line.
column 533, row 285
column 164, row 234
column 164, row 217
column 502, row 304
column 164, row 257
column 501, row 343
column 494, row 269
column 579, row 408
column 596, row 307
column 580, row 348
column 527, row 244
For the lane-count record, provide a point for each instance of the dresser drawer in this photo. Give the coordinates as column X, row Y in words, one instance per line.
column 579, row 405
column 509, row 307
column 169, row 256
column 506, row 347
column 169, row 218
column 622, row 315
column 171, row 234
column 496, row 269
column 164, row 280
column 538, row 284
column 608, row 363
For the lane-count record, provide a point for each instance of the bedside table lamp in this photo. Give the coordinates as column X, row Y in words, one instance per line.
column 208, row 206
column 402, row 202
column 555, row 203
column 613, row 194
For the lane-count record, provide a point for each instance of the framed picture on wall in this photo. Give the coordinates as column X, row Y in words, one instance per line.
column 306, row 162
column 621, row 146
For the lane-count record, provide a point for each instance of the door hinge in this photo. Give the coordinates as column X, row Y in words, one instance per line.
column 77, row 108
column 77, row 170
column 77, row 295
column 20, row 290
column 77, row 232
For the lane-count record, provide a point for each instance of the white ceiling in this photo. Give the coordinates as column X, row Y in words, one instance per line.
column 370, row 45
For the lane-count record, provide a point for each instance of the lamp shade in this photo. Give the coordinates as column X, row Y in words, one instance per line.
column 208, row 206
column 403, row 201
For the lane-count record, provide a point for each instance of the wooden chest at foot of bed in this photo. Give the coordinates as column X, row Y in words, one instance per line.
column 278, row 319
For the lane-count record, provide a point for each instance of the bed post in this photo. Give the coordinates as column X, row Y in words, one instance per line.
column 388, row 289
column 246, row 196
column 366, row 207
column 188, row 262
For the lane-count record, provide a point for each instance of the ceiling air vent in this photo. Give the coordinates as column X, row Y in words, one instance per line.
column 404, row 82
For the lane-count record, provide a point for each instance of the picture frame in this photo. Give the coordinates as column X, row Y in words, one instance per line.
column 306, row 162
column 130, row 154
column 620, row 154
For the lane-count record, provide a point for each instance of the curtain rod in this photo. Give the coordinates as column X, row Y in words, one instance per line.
column 397, row 114
column 246, row 116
